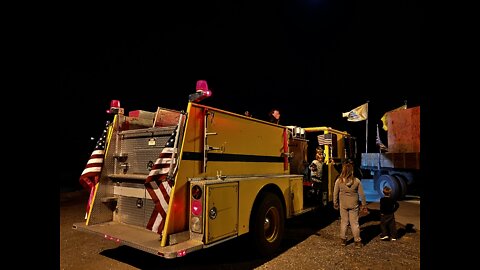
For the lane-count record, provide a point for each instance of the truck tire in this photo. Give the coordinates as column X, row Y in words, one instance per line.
column 403, row 185
column 267, row 225
column 390, row 181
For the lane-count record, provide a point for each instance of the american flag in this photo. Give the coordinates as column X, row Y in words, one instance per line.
column 91, row 174
column 382, row 146
column 379, row 143
column 324, row 139
column 159, row 187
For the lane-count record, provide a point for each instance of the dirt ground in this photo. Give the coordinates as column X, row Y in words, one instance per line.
column 311, row 242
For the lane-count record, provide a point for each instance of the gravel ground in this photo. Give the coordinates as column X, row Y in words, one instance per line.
column 311, row 242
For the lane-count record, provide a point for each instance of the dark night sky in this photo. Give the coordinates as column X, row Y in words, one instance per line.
column 313, row 59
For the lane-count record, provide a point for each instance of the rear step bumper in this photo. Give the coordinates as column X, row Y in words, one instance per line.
column 139, row 238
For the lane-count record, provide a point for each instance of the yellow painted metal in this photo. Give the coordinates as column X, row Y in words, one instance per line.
column 221, row 212
column 235, row 135
column 92, row 202
column 250, row 188
column 296, row 195
column 327, row 129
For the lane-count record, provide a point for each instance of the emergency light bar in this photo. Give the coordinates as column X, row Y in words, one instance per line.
column 115, row 107
column 202, row 92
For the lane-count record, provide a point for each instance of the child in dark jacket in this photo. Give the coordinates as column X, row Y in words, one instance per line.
column 388, row 206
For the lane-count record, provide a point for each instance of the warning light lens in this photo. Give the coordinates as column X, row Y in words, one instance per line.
column 196, row 224
column 115, row 103
column 201, row 93
column 196, row 192
column 196, row 208
column 201, row 85
column 114, row 106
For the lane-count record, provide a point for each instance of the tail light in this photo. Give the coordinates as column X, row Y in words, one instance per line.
column 196, row 209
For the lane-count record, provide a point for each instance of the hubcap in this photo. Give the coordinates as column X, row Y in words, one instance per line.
column 271, row 224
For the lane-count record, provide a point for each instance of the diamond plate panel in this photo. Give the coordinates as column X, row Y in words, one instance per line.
column 134, row 210
column 140, row 149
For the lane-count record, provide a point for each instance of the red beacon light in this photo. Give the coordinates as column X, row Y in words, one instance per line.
column 202, row 91
column 115, row 107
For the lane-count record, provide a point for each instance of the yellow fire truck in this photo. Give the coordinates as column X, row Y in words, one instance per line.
column 173, row 182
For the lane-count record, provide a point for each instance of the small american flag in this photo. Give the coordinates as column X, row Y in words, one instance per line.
column 379, row 143
column 159, row 186
column 324, row 139
column 91, row 174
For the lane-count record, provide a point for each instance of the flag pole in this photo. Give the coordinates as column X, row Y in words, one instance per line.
column 379, row 149
column 366, row 131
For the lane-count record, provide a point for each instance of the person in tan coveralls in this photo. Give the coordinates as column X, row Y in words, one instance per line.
column 346, row 194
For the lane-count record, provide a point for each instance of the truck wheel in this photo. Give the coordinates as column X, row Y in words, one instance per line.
column 390, row 181
column 403, row 185
column 267, row 225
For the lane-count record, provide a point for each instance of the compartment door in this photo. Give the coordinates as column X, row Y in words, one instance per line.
column 296, row 195
column 222, row 211
column 134, row 204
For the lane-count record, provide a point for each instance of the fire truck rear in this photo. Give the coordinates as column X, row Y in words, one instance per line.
column 172, row 182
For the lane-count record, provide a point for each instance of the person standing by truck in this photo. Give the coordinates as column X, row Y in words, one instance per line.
column 317, row 171
column 346, row 194
column 388, row 206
